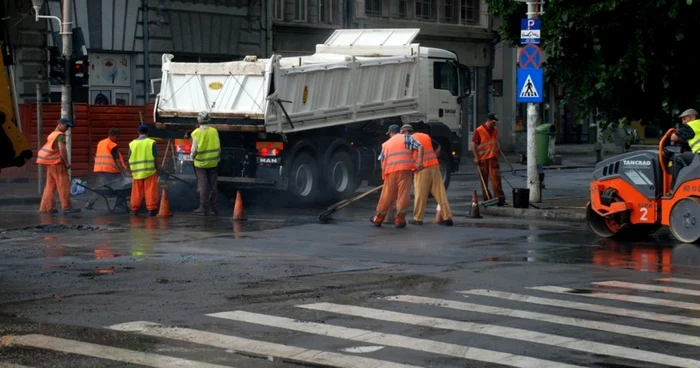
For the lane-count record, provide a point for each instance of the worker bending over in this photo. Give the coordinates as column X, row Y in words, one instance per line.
column 54, row 156
column 428, row 180
column 109, row 163
column 398, row 164
column 206, row 153
column 688, row 132
column 142, row 160
column 485, row 149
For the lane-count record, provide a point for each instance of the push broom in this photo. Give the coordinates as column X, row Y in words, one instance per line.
column 490, row 201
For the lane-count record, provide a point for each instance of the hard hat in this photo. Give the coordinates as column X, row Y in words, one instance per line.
column 204, row 116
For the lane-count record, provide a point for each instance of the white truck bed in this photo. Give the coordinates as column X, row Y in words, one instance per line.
column 356, row 75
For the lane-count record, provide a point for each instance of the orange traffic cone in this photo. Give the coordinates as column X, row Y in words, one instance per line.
column 238, row 213
column 164, row 210
column 475, row 212
column 438, row 215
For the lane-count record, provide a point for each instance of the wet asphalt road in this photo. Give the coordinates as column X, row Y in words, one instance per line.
column 107, row 290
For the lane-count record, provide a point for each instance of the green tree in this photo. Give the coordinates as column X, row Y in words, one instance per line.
column 628, row 58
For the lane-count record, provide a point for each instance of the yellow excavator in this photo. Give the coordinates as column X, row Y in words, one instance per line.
column 14, row 148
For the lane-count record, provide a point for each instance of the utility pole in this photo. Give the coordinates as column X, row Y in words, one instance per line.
column 533, row 178
column 39, row 128
column 66, row 102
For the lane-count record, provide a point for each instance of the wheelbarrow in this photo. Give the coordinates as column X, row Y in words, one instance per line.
column 120, row 189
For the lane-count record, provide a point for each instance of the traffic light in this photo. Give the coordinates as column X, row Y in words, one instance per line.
column 80, row 75
column 57, row 66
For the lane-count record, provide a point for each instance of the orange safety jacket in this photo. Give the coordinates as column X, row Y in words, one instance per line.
column 429, row 156
column 396, row 156
column 104, row 161
column 488, row 143
column 48, row 155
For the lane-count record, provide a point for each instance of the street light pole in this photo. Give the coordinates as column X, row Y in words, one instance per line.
column 533, row 178
column 66, row 102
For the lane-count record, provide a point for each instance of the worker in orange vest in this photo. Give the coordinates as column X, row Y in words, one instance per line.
column 485, row 149
column 54, row 156
column 428, row 180
column 398, row 165
column 109, row 163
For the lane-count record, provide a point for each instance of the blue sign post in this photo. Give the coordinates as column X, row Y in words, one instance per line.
column 529, row 89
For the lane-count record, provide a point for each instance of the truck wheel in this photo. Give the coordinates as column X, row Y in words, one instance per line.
column 445, row 169
column 303, row 178
column 340, row 179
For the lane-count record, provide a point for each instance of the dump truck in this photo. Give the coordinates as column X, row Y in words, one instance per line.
column 313, row 125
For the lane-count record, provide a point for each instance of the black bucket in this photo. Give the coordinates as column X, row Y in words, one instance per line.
column 521, row 198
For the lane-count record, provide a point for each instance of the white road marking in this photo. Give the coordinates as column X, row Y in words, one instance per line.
column 629, row 298
column 405, row 342
column 587, row 307
column 104, row 352
column 255, row 347
column 662, row 289
column 576, row 322
column 362, row 349
column 680, row 281
column 10, row 365
column 506, row 332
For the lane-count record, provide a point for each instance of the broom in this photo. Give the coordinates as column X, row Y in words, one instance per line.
column 491, row 201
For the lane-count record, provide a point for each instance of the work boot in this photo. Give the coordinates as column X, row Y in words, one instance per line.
column 416, row 222
column 48, row 212
column 133, row 213
column 213, row 213
column 400, row 221
column 377, row 220
column 502, row 202
column 71, row 210
column 153, row 213
column 200, row 212
column 447, row 222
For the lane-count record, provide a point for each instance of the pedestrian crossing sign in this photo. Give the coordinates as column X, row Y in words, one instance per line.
column 530, row 83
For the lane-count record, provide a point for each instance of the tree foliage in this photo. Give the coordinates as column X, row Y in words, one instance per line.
column 627, row 58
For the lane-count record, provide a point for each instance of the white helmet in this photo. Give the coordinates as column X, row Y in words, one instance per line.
column 204, row 117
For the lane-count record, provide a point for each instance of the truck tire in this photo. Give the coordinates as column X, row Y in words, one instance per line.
column 445, row 169
column 304, row 179
column 340, row 179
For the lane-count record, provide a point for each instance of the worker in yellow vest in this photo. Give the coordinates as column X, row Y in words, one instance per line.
column 109, row 163
column 688, row 132
column 206, row 153
column 143, row 162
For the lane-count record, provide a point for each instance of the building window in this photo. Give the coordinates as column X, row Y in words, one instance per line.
column 445, row 76
column 373, row 8
column 403, row 9
column 300, row 10
column 470, row 12
column 447, row 11
column 424, row 9
column 278, row 10
column 325, row 11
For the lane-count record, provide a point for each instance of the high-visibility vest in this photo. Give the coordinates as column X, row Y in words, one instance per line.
column 142, row 161
column 104, row 161
column 488, row 143
column 396, row 156
column 694, row 143
column 429, row 156
column 48, row 155
column 207, row 148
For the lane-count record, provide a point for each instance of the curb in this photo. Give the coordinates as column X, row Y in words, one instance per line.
column 558, row 215
column 18, row 201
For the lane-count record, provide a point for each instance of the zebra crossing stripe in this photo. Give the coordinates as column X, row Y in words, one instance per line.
column 104, row 352
column 662, row 289
column 680, row 281
column 255, row 347
column 576, row 322
column 412, row 343
column 658, row 317
column 507, row 333
column 631, row 299
column 10, row 365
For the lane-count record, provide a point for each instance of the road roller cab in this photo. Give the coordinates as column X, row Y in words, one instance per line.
column 631, row 195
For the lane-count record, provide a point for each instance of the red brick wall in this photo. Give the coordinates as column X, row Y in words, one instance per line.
column 91, row 125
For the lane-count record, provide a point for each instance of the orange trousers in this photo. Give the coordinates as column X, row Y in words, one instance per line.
column 145, row 188
column 490, row 170
column 56, row 180
column 397, row 188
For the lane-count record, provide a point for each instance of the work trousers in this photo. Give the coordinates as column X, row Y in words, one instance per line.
column 56, row 180
column 425, row 182
column 680, row 161
column 105, row 178
column 145, row 188
column 207, row 187
column 491, row 171
column 397, row 189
